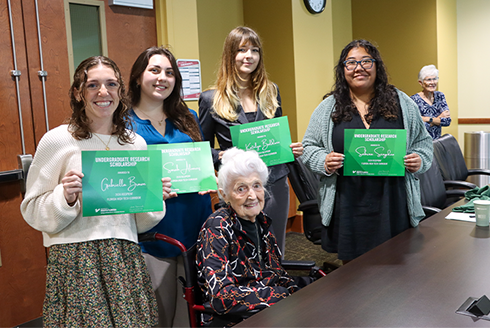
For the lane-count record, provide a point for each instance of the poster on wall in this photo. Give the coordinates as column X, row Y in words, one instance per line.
column 190, row 69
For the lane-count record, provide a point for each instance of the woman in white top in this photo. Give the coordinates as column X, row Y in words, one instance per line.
column 96, row 275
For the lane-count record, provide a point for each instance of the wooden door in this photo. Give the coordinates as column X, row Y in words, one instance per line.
column 23, row 257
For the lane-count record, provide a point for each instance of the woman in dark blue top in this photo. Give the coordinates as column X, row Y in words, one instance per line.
column 161, row 116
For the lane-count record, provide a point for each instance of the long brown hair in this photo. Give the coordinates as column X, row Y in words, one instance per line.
column 79, row 122
column 226, row 100
column 173, row 106
column 385, row 100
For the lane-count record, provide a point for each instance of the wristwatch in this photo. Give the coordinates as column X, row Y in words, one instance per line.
column 430, row 120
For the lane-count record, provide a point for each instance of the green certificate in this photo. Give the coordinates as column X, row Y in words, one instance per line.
column 119, row 182
column 374, row 152
column 270, row 138
column 189, row 165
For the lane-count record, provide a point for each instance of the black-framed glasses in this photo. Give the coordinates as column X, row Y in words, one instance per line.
column 366, row 63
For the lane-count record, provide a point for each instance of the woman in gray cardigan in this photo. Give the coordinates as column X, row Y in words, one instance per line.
column 360, row 213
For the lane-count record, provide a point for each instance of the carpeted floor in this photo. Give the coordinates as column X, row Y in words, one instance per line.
column 300, row 248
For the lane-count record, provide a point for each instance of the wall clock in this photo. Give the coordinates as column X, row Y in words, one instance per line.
column 315, row 6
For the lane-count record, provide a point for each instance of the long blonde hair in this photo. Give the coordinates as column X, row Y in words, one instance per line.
column 226, row 99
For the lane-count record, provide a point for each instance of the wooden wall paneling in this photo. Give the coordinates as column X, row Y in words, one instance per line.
column 10, row 135
column 129, row 32
column 23, row 270
column 55, row 60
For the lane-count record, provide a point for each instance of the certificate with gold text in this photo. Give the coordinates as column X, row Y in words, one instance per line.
column 119, row 182
column 189, row 165
column 374, row 152
column 270, row 138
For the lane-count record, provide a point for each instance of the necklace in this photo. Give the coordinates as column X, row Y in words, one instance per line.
column 106, row 144
column 159, row 122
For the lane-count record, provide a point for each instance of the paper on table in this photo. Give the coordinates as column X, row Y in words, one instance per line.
column 470, row 217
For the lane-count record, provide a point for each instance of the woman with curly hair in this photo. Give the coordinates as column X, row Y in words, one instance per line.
column 244, row 94
column 96, row 275
column 359, row 213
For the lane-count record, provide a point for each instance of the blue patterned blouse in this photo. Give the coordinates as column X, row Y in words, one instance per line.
column 438, row 106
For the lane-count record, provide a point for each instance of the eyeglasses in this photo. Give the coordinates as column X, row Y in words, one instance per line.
column 366, row 63
column 434, row 79
column 244, row 189
column 110, row 86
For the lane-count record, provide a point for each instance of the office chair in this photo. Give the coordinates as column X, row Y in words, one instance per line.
column 305, row 186
column 434, row 193
column 451, row 161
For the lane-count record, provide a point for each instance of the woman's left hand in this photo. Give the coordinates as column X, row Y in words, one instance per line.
column 413, row 162
column 167, row 189
column 297, row 148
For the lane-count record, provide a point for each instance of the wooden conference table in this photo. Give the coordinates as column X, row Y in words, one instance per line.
column 417, row 279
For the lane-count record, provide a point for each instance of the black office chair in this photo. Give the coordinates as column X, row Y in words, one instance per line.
column 434, row 193
column 451, row 162
column 305, row 186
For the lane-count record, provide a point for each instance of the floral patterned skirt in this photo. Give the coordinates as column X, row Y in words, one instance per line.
column 100, row 283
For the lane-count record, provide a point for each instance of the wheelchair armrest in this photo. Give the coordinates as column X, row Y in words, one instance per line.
column 308, row 205
column 459, row 184
column 478, row 172
column 297, row 265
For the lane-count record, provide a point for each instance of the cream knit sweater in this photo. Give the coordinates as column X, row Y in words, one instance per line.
column 45, row 208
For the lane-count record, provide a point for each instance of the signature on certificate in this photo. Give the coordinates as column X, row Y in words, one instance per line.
column 266, row 143
column 362, row 151
column 379, row 150
column 107, row 184
column 173, row 167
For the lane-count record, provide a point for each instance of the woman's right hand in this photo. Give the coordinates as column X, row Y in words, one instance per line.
column 333, row 161
column 72, row 185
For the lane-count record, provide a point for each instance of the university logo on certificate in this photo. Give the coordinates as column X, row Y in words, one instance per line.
column 270, row 138
column 119, row 182
column 189, row 165
column 374, row 152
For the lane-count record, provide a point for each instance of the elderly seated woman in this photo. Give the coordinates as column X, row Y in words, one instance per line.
column 237, row 256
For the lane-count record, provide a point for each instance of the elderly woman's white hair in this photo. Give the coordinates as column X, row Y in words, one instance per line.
column 429, row 70
column 239, row 163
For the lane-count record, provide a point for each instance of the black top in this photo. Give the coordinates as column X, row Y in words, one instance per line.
column 212, row 125
column 368, row 210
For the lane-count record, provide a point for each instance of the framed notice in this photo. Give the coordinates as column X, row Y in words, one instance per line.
column 119, row 182
column 270, row 138
column 189, row 165
column 190, row 69
column 374, row 152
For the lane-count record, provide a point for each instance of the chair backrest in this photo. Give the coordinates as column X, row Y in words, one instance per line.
column 303, row 181
column 450, row 159
column 305, row 185
column 432, row 189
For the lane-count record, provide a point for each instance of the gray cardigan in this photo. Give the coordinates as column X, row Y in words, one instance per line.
column 317, row 143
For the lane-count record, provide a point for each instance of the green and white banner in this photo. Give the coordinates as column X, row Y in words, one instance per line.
column 270, row 138
column 119, row 182
column 374, row 152
column 189, row 165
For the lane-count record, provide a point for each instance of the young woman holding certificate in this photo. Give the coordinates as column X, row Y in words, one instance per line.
column 244, row 94
column 360, row 213
column 160, row 116
column 96, row 275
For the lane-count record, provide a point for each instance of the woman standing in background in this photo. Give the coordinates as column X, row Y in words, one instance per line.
column 432, row 104
column 160, row 117
column 244, row 94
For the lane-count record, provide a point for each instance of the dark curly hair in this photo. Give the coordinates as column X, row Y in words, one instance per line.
column 79, row 122
column 385, row 100
column 173, row 106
